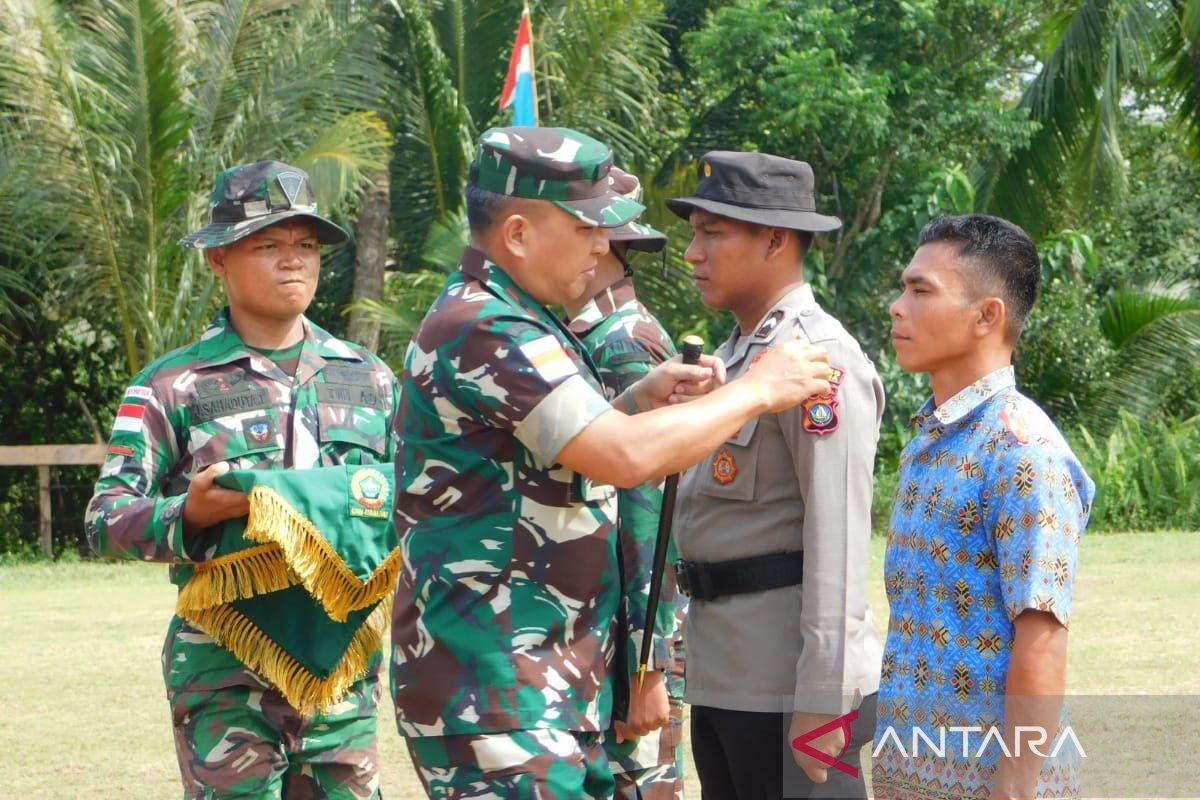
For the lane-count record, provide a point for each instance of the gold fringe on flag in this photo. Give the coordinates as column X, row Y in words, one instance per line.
column 246, row 573
column 303, row 690
column 322, row 571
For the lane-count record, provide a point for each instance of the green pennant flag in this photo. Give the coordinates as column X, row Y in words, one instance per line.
column 296, row 589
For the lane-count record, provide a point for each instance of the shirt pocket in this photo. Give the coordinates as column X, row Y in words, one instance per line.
column 247, row 440
column 730, row 472
column 350, row 429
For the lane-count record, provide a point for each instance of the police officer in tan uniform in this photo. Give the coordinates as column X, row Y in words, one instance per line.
column 773, row 529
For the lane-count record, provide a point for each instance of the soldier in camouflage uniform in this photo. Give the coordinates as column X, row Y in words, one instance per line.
column 506, row 608
column 263, row 388
column 625, row 341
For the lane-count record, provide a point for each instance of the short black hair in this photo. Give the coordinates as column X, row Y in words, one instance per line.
column 484, row 207
column 1004, row 258
column 805, row 238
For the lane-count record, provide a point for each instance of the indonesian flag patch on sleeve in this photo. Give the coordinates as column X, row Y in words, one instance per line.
column 549, row 359
column 132, row 410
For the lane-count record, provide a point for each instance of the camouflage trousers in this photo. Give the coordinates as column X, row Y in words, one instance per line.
column 236, row 737
column 538, row 764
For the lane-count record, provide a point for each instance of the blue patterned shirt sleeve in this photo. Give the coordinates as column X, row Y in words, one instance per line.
column 1039, row 522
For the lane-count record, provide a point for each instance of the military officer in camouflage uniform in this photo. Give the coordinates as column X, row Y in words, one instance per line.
column 505, row 611
column 263, row 388
column 774, row 526
column 625, row 341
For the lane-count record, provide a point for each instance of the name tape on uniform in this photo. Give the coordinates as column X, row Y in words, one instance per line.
column 549, row 358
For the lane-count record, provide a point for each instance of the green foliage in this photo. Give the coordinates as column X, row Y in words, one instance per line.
column 116, row 114
column 61, row 383
column 878, row 96
column 1063, row 359
column 1147, row 473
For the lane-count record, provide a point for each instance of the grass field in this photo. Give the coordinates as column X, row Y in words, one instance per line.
column 83, row 714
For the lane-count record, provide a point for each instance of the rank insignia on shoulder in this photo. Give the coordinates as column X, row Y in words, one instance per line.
column 820, row 411
column 724, row 467
column 769, row 324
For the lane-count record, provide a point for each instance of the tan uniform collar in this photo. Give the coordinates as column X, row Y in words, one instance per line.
column 783, row 314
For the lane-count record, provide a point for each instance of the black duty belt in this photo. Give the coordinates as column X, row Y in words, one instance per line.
column 701, row 581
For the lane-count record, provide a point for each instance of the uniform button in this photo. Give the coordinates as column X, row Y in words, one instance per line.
column 806, row 312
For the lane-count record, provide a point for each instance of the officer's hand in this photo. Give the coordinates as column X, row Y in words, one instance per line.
column 791, row 373
column 207, row 503
column 675, row 382
column 831, row 743
column 649, row 709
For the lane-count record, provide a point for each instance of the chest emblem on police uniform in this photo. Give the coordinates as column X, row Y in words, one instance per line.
column 724, row 467
column 369, row 489
column 820, row 411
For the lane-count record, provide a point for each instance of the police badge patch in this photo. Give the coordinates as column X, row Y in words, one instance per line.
column 724, row 467
column 820, row 411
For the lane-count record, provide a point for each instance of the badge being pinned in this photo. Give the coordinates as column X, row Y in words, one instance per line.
column 724, row 467
column 820, row 411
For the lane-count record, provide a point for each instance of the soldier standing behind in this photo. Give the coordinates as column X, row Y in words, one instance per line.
column 774, row 526
column 625, row 341
column 248, row 395
column 503, row 626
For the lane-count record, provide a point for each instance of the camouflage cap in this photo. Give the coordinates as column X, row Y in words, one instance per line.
column 635, row 235
column 568, row 168
column 250, row 197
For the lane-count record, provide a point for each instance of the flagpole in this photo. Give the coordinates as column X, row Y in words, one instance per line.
column 532, row 66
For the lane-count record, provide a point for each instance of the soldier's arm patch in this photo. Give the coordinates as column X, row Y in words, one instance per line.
column 549, row 359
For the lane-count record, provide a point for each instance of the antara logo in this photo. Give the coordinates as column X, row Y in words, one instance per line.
column 801, row 743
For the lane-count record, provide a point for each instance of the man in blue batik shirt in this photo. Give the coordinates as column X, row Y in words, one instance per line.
column 984, row 538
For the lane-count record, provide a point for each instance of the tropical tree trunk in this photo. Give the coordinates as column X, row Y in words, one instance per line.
column 371, row 256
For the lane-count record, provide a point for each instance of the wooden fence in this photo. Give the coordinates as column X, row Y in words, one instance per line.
column 45, row 456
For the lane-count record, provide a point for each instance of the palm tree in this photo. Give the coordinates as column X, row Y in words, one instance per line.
column 116, row 114
column 1155, row 333
column 1101, row 52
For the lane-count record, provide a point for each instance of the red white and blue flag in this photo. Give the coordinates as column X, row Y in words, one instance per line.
column 519, row 90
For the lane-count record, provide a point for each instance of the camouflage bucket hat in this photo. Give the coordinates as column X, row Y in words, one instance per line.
column 635, row 235
column 568, row 168
column 250, row 197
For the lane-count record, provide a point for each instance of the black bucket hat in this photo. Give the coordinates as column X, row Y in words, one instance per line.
column 758, row 188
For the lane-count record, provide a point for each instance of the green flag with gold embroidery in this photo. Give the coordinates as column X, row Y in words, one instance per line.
column 296, row 589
